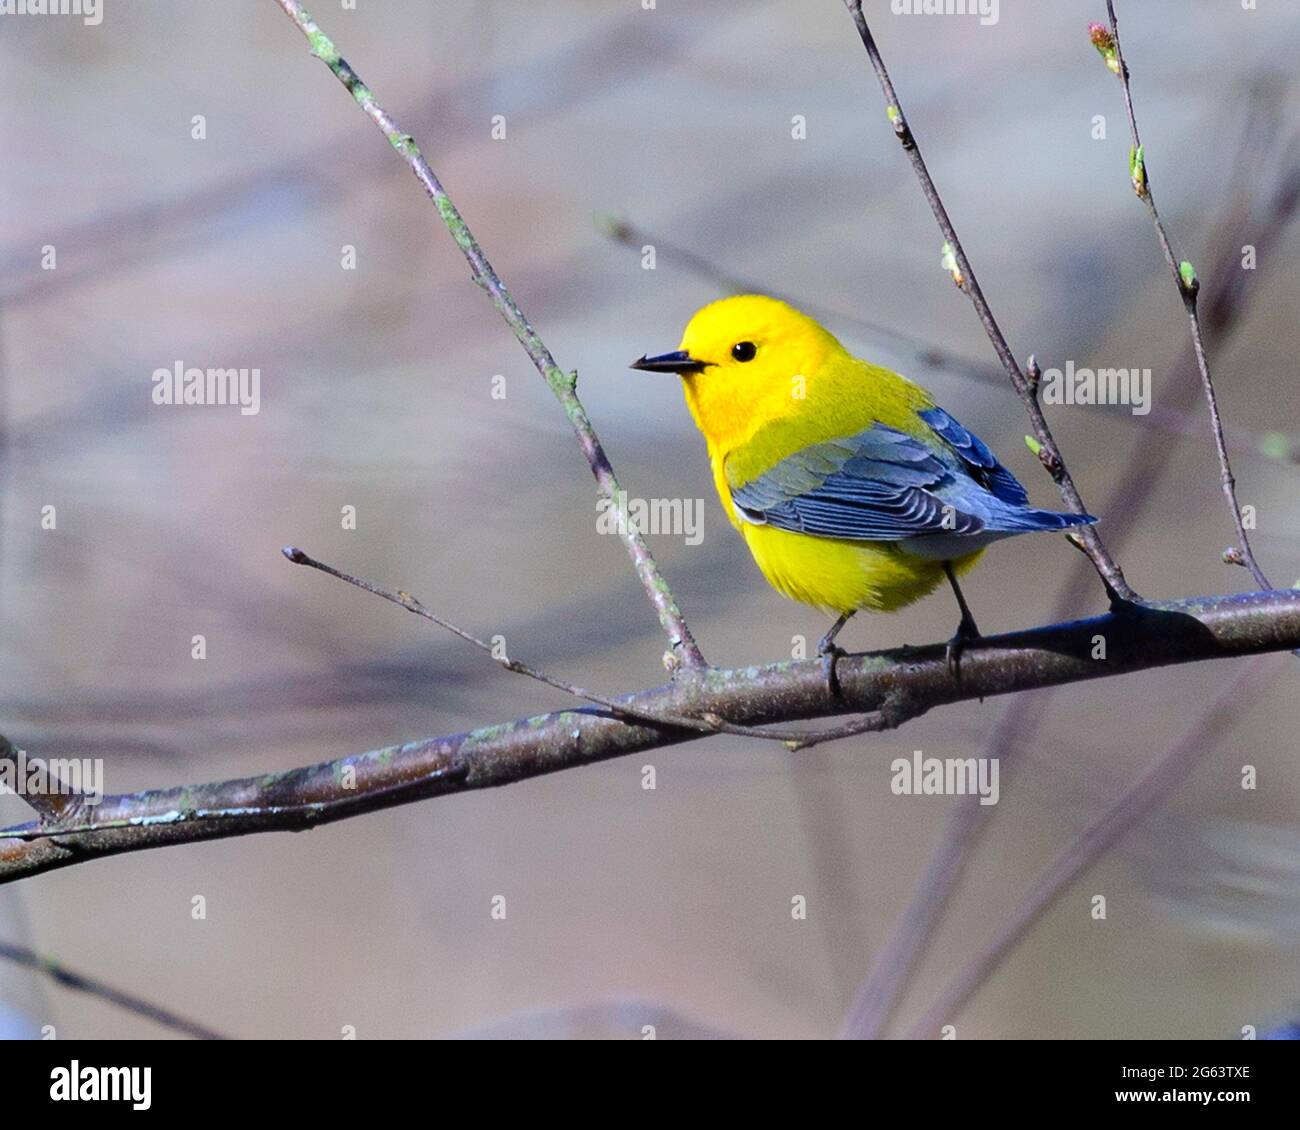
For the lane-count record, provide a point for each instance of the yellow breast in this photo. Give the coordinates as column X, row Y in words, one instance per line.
column 840, row 576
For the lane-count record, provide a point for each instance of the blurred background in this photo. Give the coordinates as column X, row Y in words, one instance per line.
column 623, row 127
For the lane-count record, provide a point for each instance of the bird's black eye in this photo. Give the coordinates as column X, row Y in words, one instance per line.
column 744, row 350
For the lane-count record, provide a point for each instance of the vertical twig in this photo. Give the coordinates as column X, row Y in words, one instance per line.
column 1087, row 537
column 563, row 384
column 910, row 937
column 1189, row 286
column 909, row 940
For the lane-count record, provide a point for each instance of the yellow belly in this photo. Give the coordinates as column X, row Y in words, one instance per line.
column 843, row 576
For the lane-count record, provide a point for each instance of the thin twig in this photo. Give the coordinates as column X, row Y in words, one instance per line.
column 911, row 935
column 795, row 739
column 1188, row 287
column 1109, row 571
column 57, row 803
column 404, row 599
column 1139, row 799
column 563, row 384
column 81, row 983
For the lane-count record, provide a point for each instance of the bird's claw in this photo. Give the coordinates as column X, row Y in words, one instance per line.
column 830, row 655
column 966, row 633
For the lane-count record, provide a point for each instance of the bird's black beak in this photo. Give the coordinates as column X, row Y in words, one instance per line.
column 677, row 362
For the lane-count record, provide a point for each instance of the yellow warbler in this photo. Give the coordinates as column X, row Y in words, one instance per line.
column 852, row 489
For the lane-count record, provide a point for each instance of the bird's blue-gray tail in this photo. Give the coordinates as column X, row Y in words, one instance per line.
column 1027, row 519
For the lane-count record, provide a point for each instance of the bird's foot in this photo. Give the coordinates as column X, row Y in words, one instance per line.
column 830, row 654
column 967, row 633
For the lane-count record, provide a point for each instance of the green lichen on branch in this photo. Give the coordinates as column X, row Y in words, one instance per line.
column 322, row 46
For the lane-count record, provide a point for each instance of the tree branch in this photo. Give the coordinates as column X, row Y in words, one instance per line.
column 910, row 938
column 81, row 983
column 58, row 803
column 563, row 384
column 908, row 680
column 711, row 724
column 1189, row 286
column 1049, row 454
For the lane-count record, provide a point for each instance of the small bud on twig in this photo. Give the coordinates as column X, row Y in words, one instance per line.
column 1187, row 278
column 1105, row 44
column 1034, row 374
column 1137, row 171
column 1045, row 457
column 949, row 262
column 896, row 119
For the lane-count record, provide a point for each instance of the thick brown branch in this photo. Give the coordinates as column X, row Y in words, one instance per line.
column 901, row 683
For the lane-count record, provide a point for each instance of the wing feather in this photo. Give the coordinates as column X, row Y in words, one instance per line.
column 878, row 485
column 986, row 469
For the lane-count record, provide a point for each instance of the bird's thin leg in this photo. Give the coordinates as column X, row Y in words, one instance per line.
column 830, row 653
column 967, row 630
column 827, row 643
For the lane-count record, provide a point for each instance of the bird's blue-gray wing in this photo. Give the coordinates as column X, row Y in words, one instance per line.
column 885, row 485
column 878, row 485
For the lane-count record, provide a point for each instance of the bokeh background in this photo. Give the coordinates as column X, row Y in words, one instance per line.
column 625, row 907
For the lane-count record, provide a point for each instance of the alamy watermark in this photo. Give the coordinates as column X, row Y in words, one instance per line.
column 679, row 517
column 90, row 11
column 179, row 385
column 987, row 10
column 945, row 776
column 57, row 776
column 76, row 1083
column 1097, row 386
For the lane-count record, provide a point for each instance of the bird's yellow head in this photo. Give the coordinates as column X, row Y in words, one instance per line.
column 745, row 361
